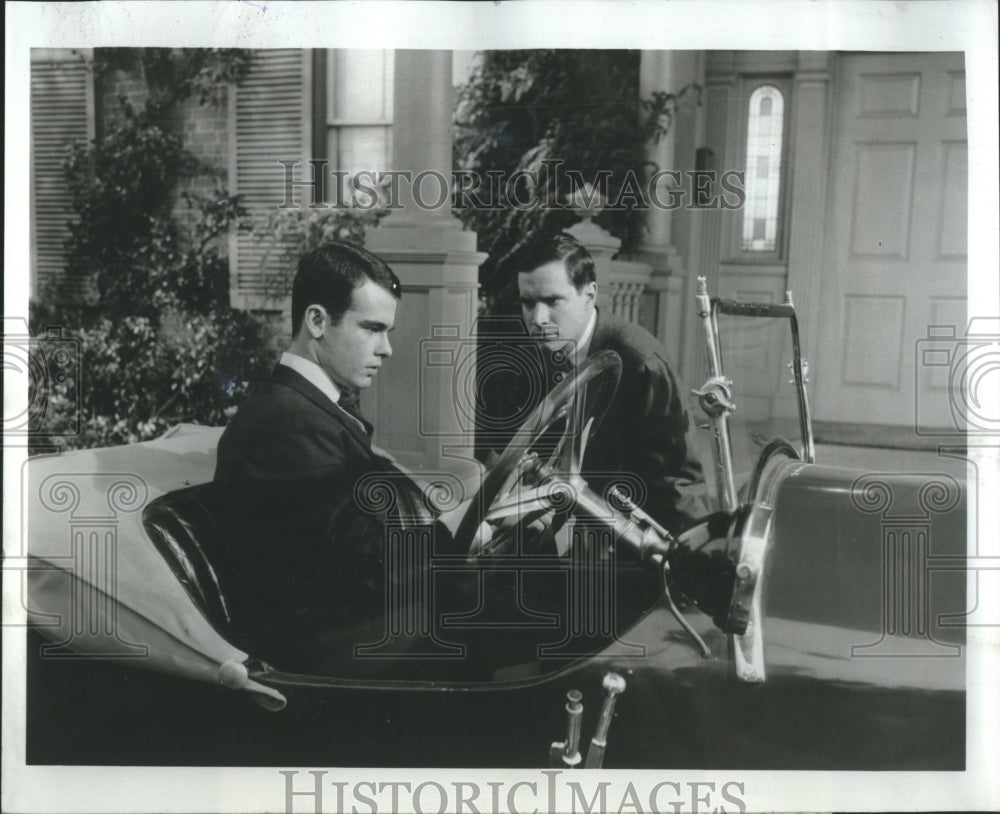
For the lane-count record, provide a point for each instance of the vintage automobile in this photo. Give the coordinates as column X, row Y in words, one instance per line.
column 812, row 621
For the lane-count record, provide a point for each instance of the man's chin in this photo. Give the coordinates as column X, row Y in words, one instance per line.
column 551, row 343
column 561, row 347
column 361, row 382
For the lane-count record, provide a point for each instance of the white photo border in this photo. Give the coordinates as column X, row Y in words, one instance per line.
column 965, row 25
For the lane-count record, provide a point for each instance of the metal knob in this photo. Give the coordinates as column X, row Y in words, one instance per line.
column 567, row 752
column 614, row 685
column 574, row 711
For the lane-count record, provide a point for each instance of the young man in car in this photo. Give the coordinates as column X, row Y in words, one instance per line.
column 642, row 441
column 309, row 546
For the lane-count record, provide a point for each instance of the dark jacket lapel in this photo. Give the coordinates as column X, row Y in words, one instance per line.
column 602, row 336
column 284, row 375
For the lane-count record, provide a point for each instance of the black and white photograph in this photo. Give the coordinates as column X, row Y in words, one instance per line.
column 501, row 407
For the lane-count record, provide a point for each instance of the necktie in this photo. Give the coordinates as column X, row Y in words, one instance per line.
column 350, row 403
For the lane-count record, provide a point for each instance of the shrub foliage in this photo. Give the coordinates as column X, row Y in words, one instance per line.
column 521, row 111
column 157, row 339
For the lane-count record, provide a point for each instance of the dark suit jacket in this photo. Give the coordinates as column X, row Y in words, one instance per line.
column 643, row 441
column 645, row 433
column 309, row 541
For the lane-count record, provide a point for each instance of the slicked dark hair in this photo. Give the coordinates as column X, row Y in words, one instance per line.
column 546, row 247
column 328, row 275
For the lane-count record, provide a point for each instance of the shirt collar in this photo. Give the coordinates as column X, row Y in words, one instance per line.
column 312, row 373
column 580, row 348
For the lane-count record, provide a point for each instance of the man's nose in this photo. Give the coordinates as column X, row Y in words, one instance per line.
column 384, row 348
column 540, row 314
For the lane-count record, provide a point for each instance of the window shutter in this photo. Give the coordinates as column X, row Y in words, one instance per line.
column 270, row 113
column 62, row 102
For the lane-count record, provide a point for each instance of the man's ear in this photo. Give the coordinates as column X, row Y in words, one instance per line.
column 590, row 291
column 315, row 320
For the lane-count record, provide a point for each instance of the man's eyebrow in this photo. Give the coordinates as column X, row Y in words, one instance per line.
column 374, row 323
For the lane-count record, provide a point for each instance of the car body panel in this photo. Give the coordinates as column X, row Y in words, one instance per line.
column 827, row 702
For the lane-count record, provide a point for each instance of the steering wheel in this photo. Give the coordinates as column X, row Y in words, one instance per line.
column 529, row 481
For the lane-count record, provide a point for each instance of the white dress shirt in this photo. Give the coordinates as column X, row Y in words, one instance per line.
column 313, row 374
column 580, row 348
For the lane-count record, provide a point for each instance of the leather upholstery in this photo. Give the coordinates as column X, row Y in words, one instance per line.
column 183, row 526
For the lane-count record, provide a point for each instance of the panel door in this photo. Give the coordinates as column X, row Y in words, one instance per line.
column 896, row 251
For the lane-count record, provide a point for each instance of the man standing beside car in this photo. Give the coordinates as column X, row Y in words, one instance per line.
column 643, row 440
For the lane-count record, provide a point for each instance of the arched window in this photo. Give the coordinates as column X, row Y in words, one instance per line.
column 765, row 123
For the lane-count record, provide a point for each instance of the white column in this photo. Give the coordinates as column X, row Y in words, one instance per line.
column 656, row 73
column 806, row 207
column 667, row 244
column 421, row 137
column 418, row 405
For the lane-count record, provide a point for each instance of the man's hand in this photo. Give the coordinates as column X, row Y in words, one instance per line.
column 504, row 532
column 653, row 545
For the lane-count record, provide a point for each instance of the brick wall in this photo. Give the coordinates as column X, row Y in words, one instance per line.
column 203, row 129
column 113, row 85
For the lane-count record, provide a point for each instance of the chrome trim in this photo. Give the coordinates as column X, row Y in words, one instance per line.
column 754, row 543
column 715, row 399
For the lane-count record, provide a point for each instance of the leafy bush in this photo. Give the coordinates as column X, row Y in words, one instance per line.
column 158, row 340
column 140, row 377
column 144, row 247
column 522, row 110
